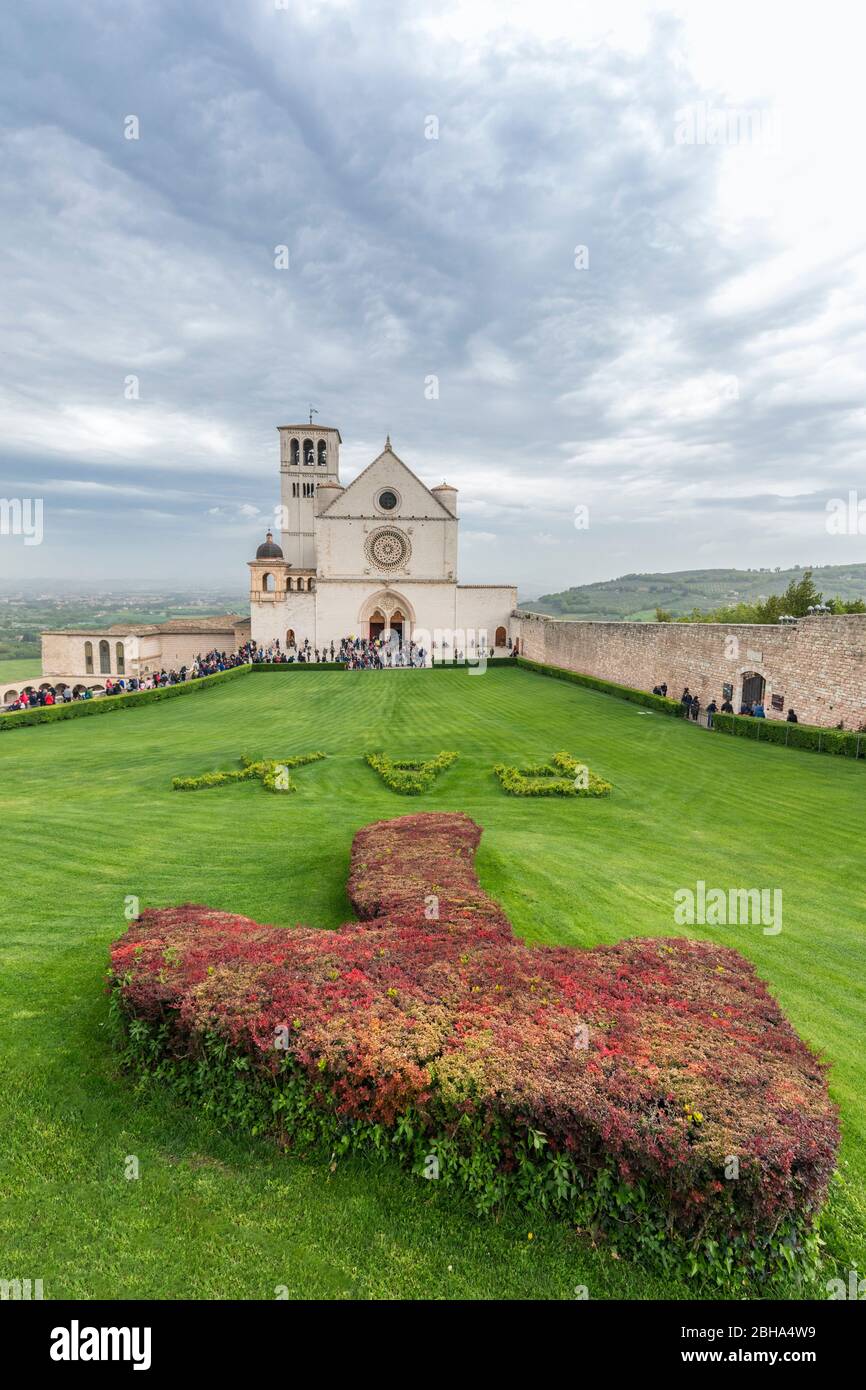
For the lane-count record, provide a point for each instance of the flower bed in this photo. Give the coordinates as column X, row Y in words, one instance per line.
column 409, row 776
column 562, row 776
column 614, row 1086
column 273, row 773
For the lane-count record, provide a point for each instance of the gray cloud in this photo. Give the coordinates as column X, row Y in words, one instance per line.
column 698, row 387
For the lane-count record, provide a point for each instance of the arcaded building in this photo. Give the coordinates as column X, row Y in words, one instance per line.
column 89, row 656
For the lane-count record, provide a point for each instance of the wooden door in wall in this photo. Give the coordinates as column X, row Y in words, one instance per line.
column 753, row 688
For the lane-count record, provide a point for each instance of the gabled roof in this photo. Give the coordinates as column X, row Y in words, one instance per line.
column 388, row 452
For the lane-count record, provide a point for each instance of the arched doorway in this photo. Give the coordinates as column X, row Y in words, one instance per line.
column 500, row 638
column 754, row 686
column 290, row 637
column 387, row 609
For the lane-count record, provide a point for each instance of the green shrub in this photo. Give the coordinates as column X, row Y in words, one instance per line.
column 109, row 704
column 556, row 778
column 844, row 742
column 443, row 664
column 481, row 1158
column 660, row 703
column 409, row 776
column 272, row 771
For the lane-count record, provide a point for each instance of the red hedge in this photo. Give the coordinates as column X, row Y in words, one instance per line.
column 689, row 1059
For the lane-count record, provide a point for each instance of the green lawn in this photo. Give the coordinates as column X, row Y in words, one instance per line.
column 89, row 818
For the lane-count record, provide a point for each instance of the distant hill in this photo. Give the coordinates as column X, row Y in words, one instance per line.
column 27, row 611
column 636, row 596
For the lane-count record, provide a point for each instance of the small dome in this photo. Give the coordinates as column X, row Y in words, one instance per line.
column 443, row 487
column 269, row 550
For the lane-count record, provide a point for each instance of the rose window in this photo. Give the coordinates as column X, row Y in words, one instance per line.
column 388, row 550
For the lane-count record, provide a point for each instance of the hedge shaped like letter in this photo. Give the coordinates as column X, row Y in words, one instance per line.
column 273, row 772
column 409, row 776
column 562, row 776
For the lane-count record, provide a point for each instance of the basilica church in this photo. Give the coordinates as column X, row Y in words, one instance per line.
column 377, row 558
column 374, row 558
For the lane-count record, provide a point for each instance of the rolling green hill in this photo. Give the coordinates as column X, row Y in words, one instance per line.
column 636, row 596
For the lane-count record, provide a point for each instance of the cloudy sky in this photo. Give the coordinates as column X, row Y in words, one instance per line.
column 605, row 257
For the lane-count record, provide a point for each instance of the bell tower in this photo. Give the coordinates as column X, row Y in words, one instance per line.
column 309, row 455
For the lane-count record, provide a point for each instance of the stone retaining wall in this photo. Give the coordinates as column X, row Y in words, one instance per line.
column 817, row 666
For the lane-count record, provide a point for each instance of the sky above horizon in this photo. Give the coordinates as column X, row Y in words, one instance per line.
column 601, row 268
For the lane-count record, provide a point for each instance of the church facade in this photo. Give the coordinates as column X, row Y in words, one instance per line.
column 374, row 558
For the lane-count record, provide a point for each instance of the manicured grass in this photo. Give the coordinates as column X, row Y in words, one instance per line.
column 89, row 818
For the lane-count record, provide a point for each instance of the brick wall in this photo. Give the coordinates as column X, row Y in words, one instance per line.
column 817, row 666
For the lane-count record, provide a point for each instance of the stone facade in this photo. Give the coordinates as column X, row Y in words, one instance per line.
column 377, row 556
column 816, row 666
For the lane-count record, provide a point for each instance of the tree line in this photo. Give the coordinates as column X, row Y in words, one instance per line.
column 800, row 595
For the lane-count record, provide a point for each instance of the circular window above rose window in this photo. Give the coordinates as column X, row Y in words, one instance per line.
column 388, row 549
column 387, row 500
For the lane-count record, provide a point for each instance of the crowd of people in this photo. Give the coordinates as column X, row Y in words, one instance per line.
column 366, row 654
column 207, row 665
column 691, row 704
column 356, row 653
column 360, row 653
